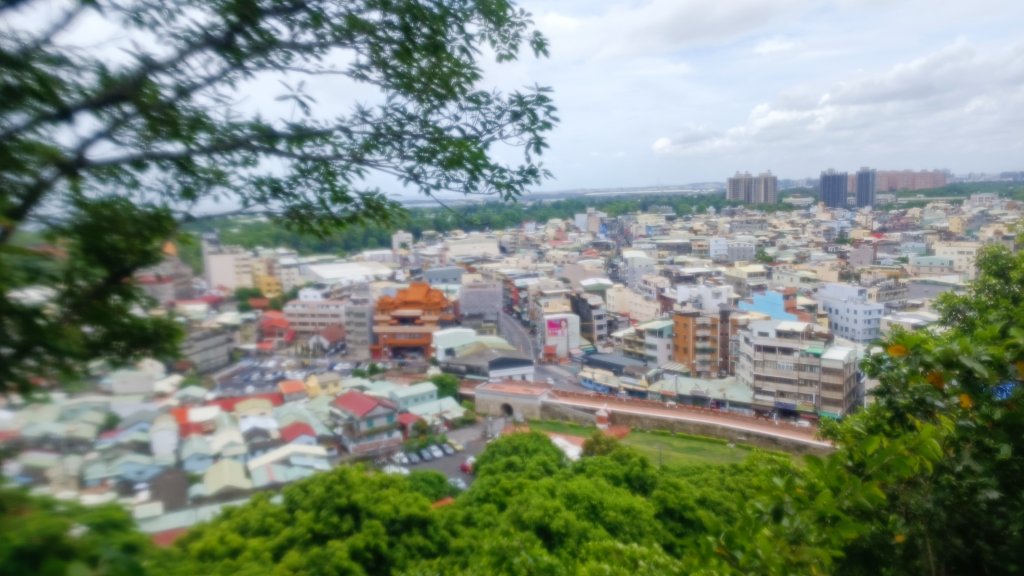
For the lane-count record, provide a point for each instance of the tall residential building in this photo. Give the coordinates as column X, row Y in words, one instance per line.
column 226, row 267
column 593, row 316
column 834, row 188
column 891, row 180
column 696, row 342
column 762, row 189
column 766, row 189
column 740, row 187
column 793, row 367
column 865, row 187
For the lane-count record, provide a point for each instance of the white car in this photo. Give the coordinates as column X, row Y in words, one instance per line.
column 400, row 458
column 436, row 452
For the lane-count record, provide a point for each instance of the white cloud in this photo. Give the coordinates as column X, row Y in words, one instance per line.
column 775, row 46
column 658, row 27
column 957, row 92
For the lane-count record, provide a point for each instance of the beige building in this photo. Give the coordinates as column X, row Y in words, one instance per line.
column 518, row 400
column 472, row 246
column 794, row 368
column 228, row 267
column 626, row 302
column 311, row 316
column 745, row 279
column 964, row 256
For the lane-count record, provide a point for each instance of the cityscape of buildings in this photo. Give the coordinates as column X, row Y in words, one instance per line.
column 754, row 314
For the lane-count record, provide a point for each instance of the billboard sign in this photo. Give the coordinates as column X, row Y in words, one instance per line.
column 557, row 327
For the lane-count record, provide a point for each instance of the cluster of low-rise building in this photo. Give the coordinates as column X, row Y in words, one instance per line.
column 738, row 309
column 685, row 296
column 166, row 448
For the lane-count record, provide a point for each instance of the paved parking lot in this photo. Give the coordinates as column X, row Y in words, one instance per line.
column 472, row 438
column 449, row 465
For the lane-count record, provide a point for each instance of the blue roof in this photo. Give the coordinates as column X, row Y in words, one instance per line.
column 769, row 303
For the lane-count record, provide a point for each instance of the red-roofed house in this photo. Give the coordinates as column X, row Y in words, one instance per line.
column 292, row 389
column 406, row 420
column 298, row 433
column 273, row 325
column 366, row 424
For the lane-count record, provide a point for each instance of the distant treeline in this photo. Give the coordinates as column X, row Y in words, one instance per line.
column 473, row 217
column 503, row 215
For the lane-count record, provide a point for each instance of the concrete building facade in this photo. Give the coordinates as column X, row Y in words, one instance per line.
column 795, row 370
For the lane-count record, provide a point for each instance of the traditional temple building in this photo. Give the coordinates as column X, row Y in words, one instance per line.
column 404, row 325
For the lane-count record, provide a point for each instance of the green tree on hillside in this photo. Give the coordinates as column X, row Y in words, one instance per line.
column 106, row 156
column 447, row 385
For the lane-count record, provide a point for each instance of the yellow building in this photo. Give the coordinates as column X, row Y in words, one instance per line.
column 327, row 383
column 957, row 225
column 269, row 285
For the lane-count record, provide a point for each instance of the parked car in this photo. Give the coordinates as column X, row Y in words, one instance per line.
column 426, row 455
column 436, row 452
column 457, row 445
column 400, row 459
column 447, row 448
column 413, row 458
column 458, row 483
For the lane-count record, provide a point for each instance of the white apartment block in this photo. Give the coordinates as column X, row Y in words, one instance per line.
column 703, row 297
column 741, row 250
column 290, row 276
column 850, row 314
column 635, row 265
column 718, row 249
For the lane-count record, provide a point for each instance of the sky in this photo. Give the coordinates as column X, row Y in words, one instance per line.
column 676, row 91
column 660, row 92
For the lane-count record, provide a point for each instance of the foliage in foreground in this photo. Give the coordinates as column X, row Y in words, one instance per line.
column 104, row 157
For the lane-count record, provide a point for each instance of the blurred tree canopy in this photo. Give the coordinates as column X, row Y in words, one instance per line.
column 106, row 147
